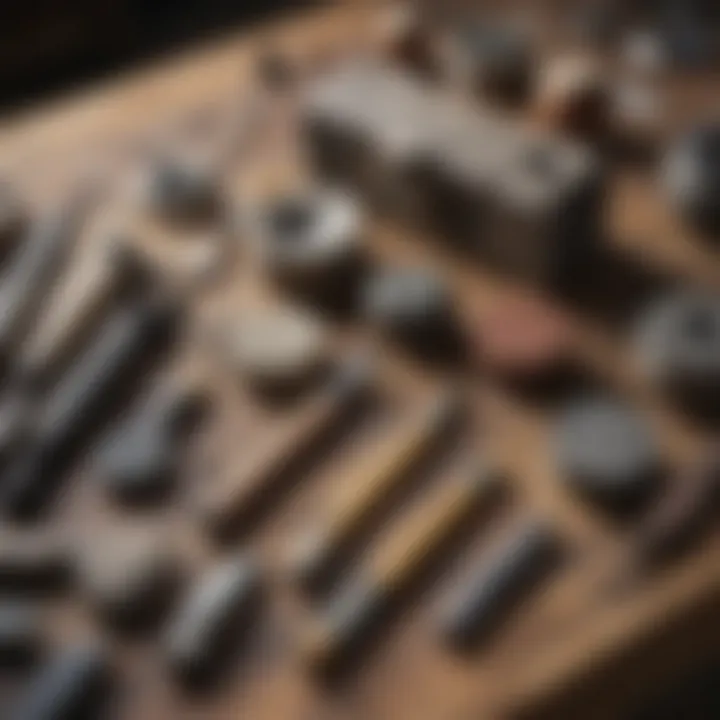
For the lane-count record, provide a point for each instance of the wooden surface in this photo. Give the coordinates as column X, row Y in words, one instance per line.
column 573, row 650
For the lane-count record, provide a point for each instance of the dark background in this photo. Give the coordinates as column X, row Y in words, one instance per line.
column 47, row 45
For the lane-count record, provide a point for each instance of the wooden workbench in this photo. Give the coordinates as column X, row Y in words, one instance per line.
column 575, row 649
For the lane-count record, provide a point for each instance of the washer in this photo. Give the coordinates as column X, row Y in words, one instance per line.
column 311, row 241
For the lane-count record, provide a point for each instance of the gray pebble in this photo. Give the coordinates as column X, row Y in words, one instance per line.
column 607, row 453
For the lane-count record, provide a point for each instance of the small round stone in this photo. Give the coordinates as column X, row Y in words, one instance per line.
column 678, row 347
column 691, row 176
column 279, row 348
column 414, row 306
column 573, row 96
column 311, row 241
column 607, row 453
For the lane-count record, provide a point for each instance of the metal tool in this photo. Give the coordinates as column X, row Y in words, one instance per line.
column 525, row 199
column 232, row 506
column 354, row 614
column 139, row 461
column 77, row 405
column 368, row 488
column 678, row 349
column 34, row 562
column 32, row 274
column 416, row 308
column 216, row 612
column 79, row 305
column 14, row 220
column 74, row 684
column 21, row 636
column 681, row 516
column 510, row 572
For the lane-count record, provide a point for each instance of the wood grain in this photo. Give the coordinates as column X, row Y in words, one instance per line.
column 573, row 644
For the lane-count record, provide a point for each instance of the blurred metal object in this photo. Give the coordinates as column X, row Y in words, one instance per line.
column 139, row 461
column 232, row 506
column 21, row 634
column 218, row 611
column 677, row 346
column 415, row 307
column 29, row 279
column 367, row 489
column 607, row 453
column 76, row 683
column 80, row 399
column 352, row 616
column 312, row 241
column 521, row 197
column 14, row 221
column 77, row 309
column 498, row 585
column 34, row 563
column 691, row 176
column 682, row 515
